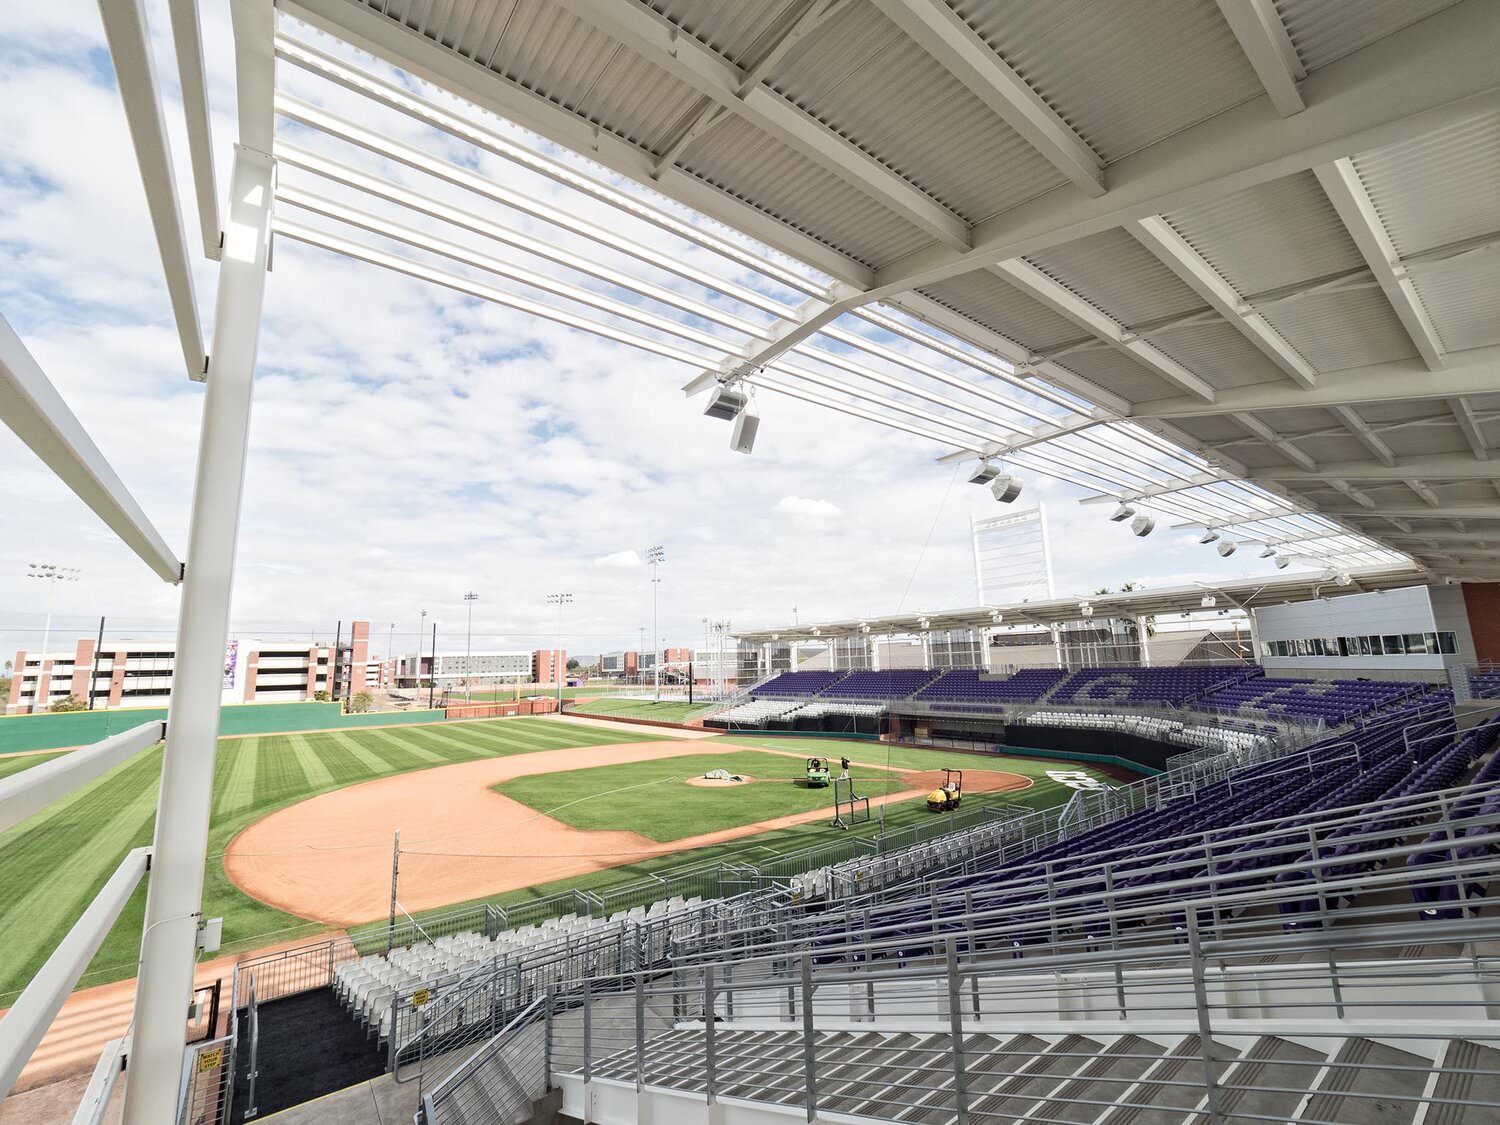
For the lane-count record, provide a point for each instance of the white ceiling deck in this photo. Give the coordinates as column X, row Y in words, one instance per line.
column 1235, row 262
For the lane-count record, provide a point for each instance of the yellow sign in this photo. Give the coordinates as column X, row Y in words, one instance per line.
column 420, row 997
column 210, row 1060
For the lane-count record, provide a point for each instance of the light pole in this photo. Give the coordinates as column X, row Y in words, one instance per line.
column 416, row 680
column 559, row 600
column 470, row 598
column 53, row 575
column 390, row 654
column 655, row 556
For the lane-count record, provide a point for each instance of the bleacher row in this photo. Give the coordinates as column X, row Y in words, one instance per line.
column 1163, row 846
column 367, row 986
column 1150, row 726
column 1225, row 689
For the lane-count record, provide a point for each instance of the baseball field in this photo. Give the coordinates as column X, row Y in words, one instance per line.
column 495, row 810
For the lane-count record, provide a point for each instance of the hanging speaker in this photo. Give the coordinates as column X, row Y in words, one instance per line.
column 726, row 403
column 1123, row 512
column 742, row 437
column 1006, row 487
column 1226, row 549
column 1142, row 525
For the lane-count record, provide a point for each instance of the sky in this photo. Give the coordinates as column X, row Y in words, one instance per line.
column 409, row 444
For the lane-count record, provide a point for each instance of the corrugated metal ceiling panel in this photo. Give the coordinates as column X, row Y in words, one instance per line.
column 746, row 163
column 1218, row 353
column 1115, row 273
column 998, row 305
column 1325, row 30
column 1460, row 298
column 1124, row 75
column 1115, row 371
column 1349, row 328
column 541, row 47
column 740, row 31
column 1440, row 189
column 867, row 81
column 1271, row 235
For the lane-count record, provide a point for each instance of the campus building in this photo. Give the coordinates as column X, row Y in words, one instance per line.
column 139, row 673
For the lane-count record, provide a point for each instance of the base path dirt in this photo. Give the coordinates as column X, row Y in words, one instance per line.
column 329, row 858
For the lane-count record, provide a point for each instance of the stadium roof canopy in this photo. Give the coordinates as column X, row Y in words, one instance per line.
column 1239, row 593
column 1234, row 263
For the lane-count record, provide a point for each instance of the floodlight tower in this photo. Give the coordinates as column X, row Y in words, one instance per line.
column 417, row 671
column 53, row 574
column 655, row 556
column 469, row 599
column 559, row 600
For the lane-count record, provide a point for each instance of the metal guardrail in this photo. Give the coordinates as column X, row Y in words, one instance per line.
column 502, row 1079
column 207, row 1091
column 1201, row 951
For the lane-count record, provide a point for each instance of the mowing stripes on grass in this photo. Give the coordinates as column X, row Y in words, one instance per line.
column 278, row 776
column 375, row 765
column 317, row 773
column 238, row 791
column 113, row 814
column 404, row 745
column 18, row 762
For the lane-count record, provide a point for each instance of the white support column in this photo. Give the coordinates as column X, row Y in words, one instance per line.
column 174, row 900
column 1254, row 637
column 926, row 649
column 1057, row 648
column 1141, row 640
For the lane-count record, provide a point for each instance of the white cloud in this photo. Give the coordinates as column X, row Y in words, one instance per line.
column 620, row 560
column 809, row 512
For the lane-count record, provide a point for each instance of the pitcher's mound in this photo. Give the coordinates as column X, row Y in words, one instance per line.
column 720, row 782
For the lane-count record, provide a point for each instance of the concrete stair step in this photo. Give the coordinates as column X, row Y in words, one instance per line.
column 1010, row 1100
column 1268, row 1079
column 1464, row 1055
column 897, row 1080
column 1390, row 1075
column 1101, row 1081
column 1169, row 1087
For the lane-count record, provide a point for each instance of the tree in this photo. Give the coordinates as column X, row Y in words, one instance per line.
column 573, row 664
column 320, row 696
column 361, row 702
column 69, row 704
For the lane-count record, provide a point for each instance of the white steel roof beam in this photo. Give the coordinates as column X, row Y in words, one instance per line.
column 1468, row 425
column 31, row 407
column 187, row 40
column 465, row 78
column 1472, row 372
column 423, row 110
column 1264, row 39
column 1157, row 236
column 1442, row 466
column 665, row 45
column 1401, row 87
column 943, row 34
column 129, row 42
column 1425, row 512
column 1063, row 301
column 1367, row 437
column 1272, row 438
column 1342, row 185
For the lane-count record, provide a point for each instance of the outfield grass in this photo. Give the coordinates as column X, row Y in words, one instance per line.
column 52, row 865
column 654, row 800
column 15, row 763
column 667, row 711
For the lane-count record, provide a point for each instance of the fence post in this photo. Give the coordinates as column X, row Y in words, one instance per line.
column 956, row 1034
column 640, row 1030
column 809, row 1057
column 709, row 1018
column 1205, row 1023
column 588, row 1027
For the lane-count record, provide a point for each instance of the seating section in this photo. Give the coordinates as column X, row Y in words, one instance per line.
column 973, row 685
column 1485, row 685
column 896, row 683
column 1145, row 686
column 1334, row 701
column 1370, row 766
column 799, row 683
column 368, row 985
column 1444, row 898
column 756, row 712
column 1150, row 726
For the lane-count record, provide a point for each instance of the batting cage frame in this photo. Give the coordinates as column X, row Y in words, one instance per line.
column 844, row 795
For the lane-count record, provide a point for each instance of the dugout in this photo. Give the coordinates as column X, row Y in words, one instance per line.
column 1075, row 743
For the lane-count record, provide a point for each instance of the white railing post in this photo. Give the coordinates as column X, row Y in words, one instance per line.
column 173, row 902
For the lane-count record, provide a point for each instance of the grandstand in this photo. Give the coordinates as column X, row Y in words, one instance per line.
column 1225, row 267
